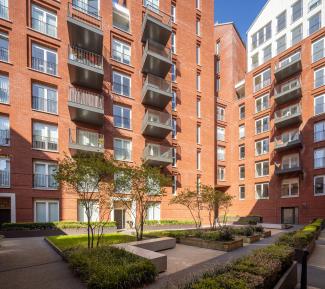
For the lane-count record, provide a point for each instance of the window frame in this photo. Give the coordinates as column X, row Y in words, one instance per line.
column 263, row 164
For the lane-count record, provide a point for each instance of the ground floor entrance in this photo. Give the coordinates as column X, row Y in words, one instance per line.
column 289, row 215
column 119, row 218
column 5, row 210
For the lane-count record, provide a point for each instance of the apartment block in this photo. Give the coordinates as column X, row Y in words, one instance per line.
column 131, row 78
column 275, row 163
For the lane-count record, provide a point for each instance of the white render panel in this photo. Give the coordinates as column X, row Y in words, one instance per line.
column 271, row 10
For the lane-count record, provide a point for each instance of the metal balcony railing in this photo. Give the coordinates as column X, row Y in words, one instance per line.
column 44, row 181
column 44, row 66
column 44, row 27
column 4, row 178
column 86, row 97
column 286, row 87
column 45, row 143
column 158, row 83
column 288, row 61
column 4, row 54
column 85, row 57
column 288, row 112
column 4, row 137
column 287, row 138
column 45, row 104
column 4, row 94
column 156, row 48
column 86, row 138
column 154, row 117
column 4, row 11
column 158, row 152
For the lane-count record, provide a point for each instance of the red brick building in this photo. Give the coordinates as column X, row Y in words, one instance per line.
column 132, row 78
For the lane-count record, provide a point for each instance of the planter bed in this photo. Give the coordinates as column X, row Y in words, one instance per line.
column 210, row 244
column 310, row 248
column 289, row 279
column 249, row 239
column 266, row 234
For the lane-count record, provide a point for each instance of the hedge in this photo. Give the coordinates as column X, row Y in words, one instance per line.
column 48, row 226
column 168, row 222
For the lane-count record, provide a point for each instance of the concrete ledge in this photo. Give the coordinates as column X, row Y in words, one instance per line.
column 155, row 245
column 275, row 226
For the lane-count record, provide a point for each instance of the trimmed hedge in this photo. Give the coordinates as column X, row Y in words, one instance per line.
column 48, row 226
column 249, row 220
column 111, row 268
column 168, row 222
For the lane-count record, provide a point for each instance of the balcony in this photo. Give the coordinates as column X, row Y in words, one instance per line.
column 4, row 137
column 156, row 91
column 84, row 140
column 156, row 26
column 43, row 181
column 284, row 142
column 157, row 59
column 156, row 124
column 157, row 155
column 288, row 91
column 45, row 143
column 288, row 116
column 4, row 179
column 86, row 68
column 85, row 26
column 288, row 169
column 288, row 67
column 86, row 106
column 121, row 17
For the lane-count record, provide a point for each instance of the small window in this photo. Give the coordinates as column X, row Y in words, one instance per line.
column 242, row 152
column 44, row 175
column 174, row 72
column 319, row 77
column 262, row 103
column 174, row 185
column 44, row 59
column 122, row 149
column 221, row 173
column 198, row 27
column 318, row 49
column 44, row 21
column 4, row 131
column 290, row 188
column 281, row 44
column 220, row 113
column 319, row 185
column 262, row 80
column 46, row 211
column 198, row 160
column 44, row 98
column 296, row 34
column 198, row 55
column 4, row 9
column 261, row 169
column 297, row 10
column 242, row 172
column 5, row 172
column 121, row 51
column 262, row 147
column 198, row 108
column 319, row 158
column 267, row 53
column 174, row 156
column 281, row 21
column 319, row 131
column 217, row 84
column 262, row 125
column 314, row 4
column 290, row 162
column 122, row 116
column 221, row 153
column 242, row 131
column 319, row 104
column 262, row 191
column 242, row 193
column 4, row 47
column 173, row 13
column 174, row 128
column 242, row 111
column 4, row 89
column 198, row 134
column 45, row 136
column 198, row 82
column 173, row 40
column 174, row 101
column 121, row 84
column 255, row 60
column 220, row 133
column 315, row 23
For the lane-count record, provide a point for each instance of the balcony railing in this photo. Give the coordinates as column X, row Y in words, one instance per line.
column 4, row 11
column 86, row 140
column 44, row 66
column 4, row 137
column 288, row 112
column 158, row 154
column 284, row 88
column 45, row 104
column 85, row 57
column 4, row 54
column 288, row 140
column 288, row 62
column 86, row 97
column 44, row 27
column 43, row 181
column 288, row 91
column 157, row 48
column 45, row 143
column 4, row 178
column 159, row 83
column 4, row 95
column 155, row 117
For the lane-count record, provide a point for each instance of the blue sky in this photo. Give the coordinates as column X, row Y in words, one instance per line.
column 241, row 12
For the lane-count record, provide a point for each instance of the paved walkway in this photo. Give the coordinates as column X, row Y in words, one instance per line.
column 29, row 263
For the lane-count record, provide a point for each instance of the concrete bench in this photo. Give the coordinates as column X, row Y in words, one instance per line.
column 155, row 245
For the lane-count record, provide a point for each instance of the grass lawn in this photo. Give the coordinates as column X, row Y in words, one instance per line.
column 67, row 242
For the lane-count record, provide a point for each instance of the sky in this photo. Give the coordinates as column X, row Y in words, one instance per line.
column 241, row 12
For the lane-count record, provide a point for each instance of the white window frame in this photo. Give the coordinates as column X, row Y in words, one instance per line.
column 221, row 131
column 267, row 56
column 174, row 128
column 295, row 39
column 315, row 53
column 47, row 173
column 123, row 109
column 198, row 134
column 173, row 13
column 263, row 164
column 281, row 44
column 46, row 89
column 301, row 11
column 262, row 142
column 242, row 111
column 47, row 202
column 241, row 169
column 198, row 27
column 124, row 147
column 239, row 152
column 322, row 149
column 5, row 88
column 173, row 42
column 198, row 82
column 119, row 54
column 240, row 192
column 282, row 26
column 45, row 61
column 323, row 104
column 48, row 138
column 319, row 14
column 45, row 12
column 264, row 128
column 221, row 172
column 7, row 169
column 292, row 160
column 221, row 153
column 198, row 108
column 321, row 132
column 198, row 160
column 198, row 54
column 313, row 4
column 264, row 82
column 174, row 100
column 221, row 113
column 262, row 185
column 264, row 104
column 290, row 183
column 323, row 193
column 318, row 78
column 174, row 157
column 174, row 185
column 174, row 72
column 242, row 131
column 122, row 77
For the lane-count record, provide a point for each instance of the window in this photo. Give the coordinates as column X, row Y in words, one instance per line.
column 46, row 211
column 4, row 9
column 218, row 48
column 319, row 104
column 153, row 212
column 174, row 157
column 4, row 47
column 242, row 193
column 217, row 84
column 122, row 116
column 174, row 72
column 221, row 173
column 44, row 98
column 173, row 40
column 198, row 82
column 281, row 21
column 261, row 147
column 220, row 113
column 44, row 59
column 121, row 51
column 318, row 49
column 220, row 133
column 174, row 100
column 45, row 136
column 198, row 55
column 173, row 13
column 122, row 185
column 319, row 77
column 267, row 53
column 198, row 134
column 90, row 7
column 262, row 191
column 198, row 4
column 4, row 89
column 262, row 103
column 4, row 131
column 262, row 125
column 174, row 185
column 297, row 10
column 319, row 185
column 281, row 44
column 198, row 28
column 122, row 149
column 44, row 21
column 290, row 162
column 198, row 184
column 242, row 111
column 315, row 23
column 4, row 172
column 198, row 108
column 93, row 210
column 152, row 4
column 242, row 152
column 261, row 36
column 313, row 4
column 262, row 80
column 44, row 173
column 198, row 160
column 121, row 84
column 319, row 131
column 218, row 66
column 242, row 172
column 296, row 34
column 174, row 128
column 255, row 60
column 221, row 153
column 261, row 169
column 290, row 188
column 319, row 158
column 242, row 131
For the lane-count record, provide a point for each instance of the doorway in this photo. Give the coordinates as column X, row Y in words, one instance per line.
column 289, row 216
column 5, row 210
column 119, row 218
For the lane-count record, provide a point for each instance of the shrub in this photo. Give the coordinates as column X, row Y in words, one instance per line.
column 310, row 228
column 298, row 240
column 249, row 220
column 245, row 231
column 259, row 229
column 168, row 222
column 111, row 268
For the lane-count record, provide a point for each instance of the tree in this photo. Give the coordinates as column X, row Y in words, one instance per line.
column 214, row 200
column 192, row 200
column 90, row 176
column 137, row 187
